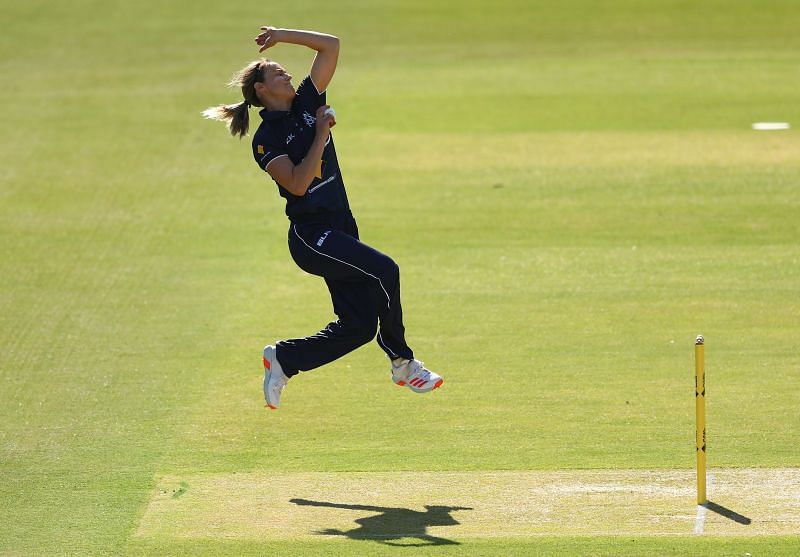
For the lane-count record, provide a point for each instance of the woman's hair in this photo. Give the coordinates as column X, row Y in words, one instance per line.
column 237, row 116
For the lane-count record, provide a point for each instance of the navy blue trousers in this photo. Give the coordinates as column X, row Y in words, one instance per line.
column 365, row 290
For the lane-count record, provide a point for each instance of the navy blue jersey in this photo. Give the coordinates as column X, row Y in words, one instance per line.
column 290, row 133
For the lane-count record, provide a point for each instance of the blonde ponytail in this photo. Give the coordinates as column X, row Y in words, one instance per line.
column 237, row 116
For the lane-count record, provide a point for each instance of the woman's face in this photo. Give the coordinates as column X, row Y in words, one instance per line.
column 277, row 83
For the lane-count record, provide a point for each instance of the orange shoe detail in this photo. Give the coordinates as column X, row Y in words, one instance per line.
column 438, row 384
column 268, row 405
column 266, row 362
column 401, row 383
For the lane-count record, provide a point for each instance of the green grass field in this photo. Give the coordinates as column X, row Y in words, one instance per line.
column 571, row 189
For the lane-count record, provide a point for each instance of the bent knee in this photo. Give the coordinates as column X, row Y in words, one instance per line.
column 367, row 332
column 390, row 269
column 361, row 332
column 366, row 337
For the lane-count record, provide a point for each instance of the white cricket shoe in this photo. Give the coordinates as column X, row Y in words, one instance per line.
column 415, row 375
column 274, row 378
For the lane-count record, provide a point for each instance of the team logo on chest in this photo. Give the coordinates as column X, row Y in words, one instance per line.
column 308, row 119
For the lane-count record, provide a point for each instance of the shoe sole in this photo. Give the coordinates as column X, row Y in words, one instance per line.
column 267, row 374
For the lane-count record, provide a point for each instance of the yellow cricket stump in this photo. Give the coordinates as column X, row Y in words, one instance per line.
column 700, row 410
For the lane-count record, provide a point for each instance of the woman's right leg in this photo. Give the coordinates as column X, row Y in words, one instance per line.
column 364, row 286
column 356, row 326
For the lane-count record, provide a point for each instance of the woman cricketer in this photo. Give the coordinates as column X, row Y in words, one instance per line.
column 293, row 144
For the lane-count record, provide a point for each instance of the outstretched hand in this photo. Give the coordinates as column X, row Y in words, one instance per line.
column 267, row 38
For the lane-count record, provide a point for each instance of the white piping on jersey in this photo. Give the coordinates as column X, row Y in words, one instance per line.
column 388, row 299
column 285, row 155
column 312, row 190
column 311, row 79
column 273, row 159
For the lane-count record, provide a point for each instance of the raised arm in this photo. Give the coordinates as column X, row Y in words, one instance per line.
column 327, row 47
column 307, row 502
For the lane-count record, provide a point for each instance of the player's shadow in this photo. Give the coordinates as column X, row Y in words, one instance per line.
column 392, row 523
column 727, row 513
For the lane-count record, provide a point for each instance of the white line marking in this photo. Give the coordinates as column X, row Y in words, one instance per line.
column 700, row 520
column 771, row 126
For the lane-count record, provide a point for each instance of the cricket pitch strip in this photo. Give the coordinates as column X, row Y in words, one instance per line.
column 446, row 506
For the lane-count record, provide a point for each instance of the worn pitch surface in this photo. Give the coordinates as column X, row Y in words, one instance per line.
column 749, row 502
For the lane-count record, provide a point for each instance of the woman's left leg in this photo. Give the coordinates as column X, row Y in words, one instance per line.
column 341, row 257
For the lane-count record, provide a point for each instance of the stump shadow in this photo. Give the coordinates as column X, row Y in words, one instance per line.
column 392, row 523
column 727, row 513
